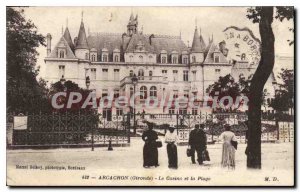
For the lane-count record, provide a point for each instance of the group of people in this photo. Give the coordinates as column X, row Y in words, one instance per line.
column 197, row 144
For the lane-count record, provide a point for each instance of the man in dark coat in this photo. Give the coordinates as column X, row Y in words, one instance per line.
column 150, row 152
column 197, row 142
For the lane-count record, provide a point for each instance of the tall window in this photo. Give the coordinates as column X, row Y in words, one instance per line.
column 105, row 74
column 153, row 91
column 62, row 54
column 61, row 70
column 163, row 59
column 141, row 74
column 116, row 74
column 182, row 111
column 87, row 56
column 194, row 59
column 164, row 72
column 93, row 73
column 175, row 75
column 143, row 91
column 150, row 75
column 194, row 75
column 185, row 76
column 116, row 59
column 131, row 73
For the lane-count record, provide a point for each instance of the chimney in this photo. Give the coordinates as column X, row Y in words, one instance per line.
column 49, row 37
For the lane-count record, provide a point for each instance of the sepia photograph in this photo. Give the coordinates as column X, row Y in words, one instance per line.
column 150, row 96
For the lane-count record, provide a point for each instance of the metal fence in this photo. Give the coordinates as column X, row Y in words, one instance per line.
column 67, row 130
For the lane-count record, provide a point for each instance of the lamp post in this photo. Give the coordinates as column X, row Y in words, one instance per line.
column 134, row 81
column 87, row 83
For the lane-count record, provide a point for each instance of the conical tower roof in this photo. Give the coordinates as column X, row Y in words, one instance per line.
column 81, row 39
column 68, row 38
column 196, row 45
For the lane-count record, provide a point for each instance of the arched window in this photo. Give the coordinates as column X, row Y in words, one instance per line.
column 194, row 59
column 116, row 58
column 131, row 73
column 87, row 56
column 131, row 58
column 141, row 74
column 153, row 91
column 61, row 54
column 150, row 73
column 164, row 60
column 143, row 92
column 141, row 58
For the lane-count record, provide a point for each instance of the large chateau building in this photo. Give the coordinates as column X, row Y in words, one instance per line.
column 165, row 65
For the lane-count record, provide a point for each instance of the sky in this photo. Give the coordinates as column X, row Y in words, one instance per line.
column 154, row 20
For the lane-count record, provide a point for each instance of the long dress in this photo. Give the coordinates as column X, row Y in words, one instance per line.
column 228, row 151
column 171, row 139
column 150, row 152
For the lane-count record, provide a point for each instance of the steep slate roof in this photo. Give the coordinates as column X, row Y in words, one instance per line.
column 168, row 43
column 68, row 38
column 110, row 41
column 198, row 45
column 139, row 38
column 62, row 43
column 81, row 39
column 209, row 55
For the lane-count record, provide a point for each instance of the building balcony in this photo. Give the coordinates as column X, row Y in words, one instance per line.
column 145, row 79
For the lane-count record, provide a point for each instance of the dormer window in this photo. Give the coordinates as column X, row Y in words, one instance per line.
column 131, row 58
column 185, row 57
column 116, row 55
column 104, row 58
column 61, row 54
column 217, row 59
column 86, row 56
column 174, row 59
column 116, row 58
column 93, row 54
column 163, row 56
column 104, row 55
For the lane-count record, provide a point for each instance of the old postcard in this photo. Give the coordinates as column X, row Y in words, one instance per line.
column 150, row 96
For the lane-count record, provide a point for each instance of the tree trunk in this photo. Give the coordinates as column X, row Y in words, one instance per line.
column 258, row 81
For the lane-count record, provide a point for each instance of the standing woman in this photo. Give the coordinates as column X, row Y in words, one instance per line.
column 228, row 152
column 171, row 139
column 150, row 152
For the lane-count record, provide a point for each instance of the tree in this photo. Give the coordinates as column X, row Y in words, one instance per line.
column 24, row 92
column 263, row 16
column 284, row 95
